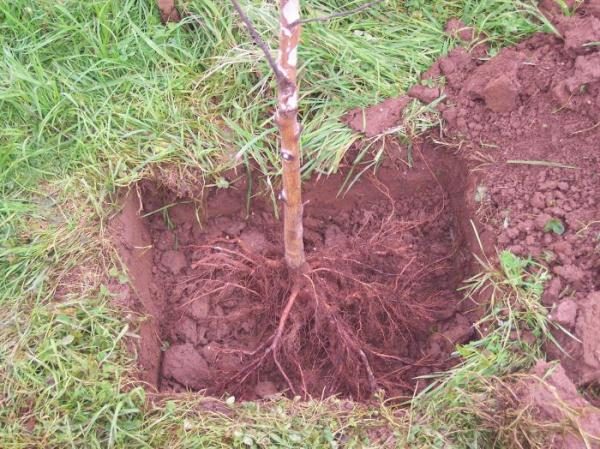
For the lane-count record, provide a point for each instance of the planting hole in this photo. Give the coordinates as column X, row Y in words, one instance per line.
column 378, row 307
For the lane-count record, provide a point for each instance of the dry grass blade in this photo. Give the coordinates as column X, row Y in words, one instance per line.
column 543, row 163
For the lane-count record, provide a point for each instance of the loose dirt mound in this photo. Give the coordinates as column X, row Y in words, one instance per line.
column 378, row 307
column 530, row 118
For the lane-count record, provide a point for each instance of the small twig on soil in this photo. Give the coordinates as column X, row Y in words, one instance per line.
column 139, row 197
column 223, row 250
column 258, row 40
column 366, row 266
column 368, row 286
column 216, row 290
column 337, row 15
column 304, row 389
column 385, row 191
column 404, row 360
column 282, row 371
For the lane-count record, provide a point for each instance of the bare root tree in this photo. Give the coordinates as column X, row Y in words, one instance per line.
column 347, row 315
column 286, row 117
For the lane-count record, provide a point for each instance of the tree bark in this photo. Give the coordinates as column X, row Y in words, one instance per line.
column 289, row 128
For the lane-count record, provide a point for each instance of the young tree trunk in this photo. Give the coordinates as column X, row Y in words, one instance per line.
column 286, row 119
column 289, row 129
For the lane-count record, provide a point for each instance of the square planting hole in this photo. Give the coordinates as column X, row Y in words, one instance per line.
column 377, row 307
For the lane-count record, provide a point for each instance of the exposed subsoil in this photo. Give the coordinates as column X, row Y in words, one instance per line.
column 530, row 118
column 568, row 419
column 378, row 308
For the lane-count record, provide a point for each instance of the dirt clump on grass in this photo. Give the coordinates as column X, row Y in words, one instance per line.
column 378, row 118
column 529, row 119
column 377, row 307
column 168, row 11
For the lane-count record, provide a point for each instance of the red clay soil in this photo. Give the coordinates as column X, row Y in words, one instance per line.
column 379, row 118
column 378, row 308
column 528, row 122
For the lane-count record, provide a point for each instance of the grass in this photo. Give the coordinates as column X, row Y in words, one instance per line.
column 93, row 96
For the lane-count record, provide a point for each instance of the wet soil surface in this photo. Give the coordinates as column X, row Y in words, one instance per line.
column 551, row 398
column 380, row 308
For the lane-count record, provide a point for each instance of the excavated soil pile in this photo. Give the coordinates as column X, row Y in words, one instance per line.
column 378, row 307
column 529, row 118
